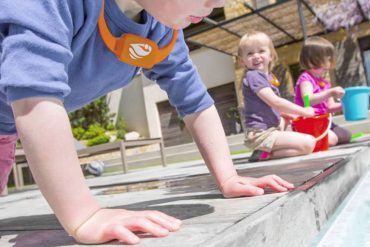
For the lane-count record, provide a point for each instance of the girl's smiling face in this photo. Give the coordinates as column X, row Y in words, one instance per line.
column 256, row 51
column 179, row 14
column 257, row 54
column 257, row 57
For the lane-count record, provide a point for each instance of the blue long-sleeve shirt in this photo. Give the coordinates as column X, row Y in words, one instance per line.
column 54, row 48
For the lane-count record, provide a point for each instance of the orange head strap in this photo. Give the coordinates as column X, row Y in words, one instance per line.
column 132, row 49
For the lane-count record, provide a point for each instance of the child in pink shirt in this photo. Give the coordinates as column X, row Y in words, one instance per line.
column 317, row 58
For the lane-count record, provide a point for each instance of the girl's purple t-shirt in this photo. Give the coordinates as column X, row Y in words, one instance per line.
column 257, row 113
column 318, row 85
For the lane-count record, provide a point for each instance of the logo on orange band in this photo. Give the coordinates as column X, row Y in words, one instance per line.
column 133, row 49
column 137, row 51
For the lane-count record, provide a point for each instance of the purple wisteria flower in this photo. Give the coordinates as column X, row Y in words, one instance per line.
column 343, row 14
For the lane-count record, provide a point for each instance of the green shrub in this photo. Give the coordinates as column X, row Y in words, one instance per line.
column 100, row 139
column 78, row 133
column 93, row 131
column 110, row 126
column 95, row 112
column 92, row 121
column 121, row 128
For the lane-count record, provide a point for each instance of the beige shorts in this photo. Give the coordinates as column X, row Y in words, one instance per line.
column 261, row 139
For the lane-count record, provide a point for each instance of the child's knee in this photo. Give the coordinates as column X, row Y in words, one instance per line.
column 333, row 140
column 308, row 144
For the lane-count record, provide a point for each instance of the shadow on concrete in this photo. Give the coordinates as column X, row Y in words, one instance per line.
column 46, row 231
column 180, row 211
column 50, row 238
column 50, row 222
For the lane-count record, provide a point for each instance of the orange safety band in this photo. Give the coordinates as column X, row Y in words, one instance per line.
column 133, row 49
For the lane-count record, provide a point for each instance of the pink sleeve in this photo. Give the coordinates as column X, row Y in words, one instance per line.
column 298, row 96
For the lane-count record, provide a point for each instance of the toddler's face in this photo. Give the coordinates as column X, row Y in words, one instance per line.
column 320, row 71
column 257, row 56
column 179, row 14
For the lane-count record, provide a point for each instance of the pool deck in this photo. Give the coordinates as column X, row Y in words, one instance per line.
column 187, row 191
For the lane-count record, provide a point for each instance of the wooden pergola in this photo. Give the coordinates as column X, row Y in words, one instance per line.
column 285, row 21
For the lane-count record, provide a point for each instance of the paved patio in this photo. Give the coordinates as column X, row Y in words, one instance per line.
column 187, row 191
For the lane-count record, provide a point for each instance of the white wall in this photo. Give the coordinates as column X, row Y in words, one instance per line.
column 215, row 68
column 138, row 101
column 128, row 102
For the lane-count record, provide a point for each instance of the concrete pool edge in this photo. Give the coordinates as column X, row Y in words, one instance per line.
column 296, row 218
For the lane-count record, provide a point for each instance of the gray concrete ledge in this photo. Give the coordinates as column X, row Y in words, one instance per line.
column 187, row 191
column 296, row 218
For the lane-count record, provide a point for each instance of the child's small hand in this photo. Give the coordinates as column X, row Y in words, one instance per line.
column 336, row 92
column 308, row 112
column 119, row 224
column 288, row 116
column 247, row 186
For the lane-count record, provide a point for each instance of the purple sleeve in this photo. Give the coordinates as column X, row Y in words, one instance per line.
column 256, row 80
column 36, row 48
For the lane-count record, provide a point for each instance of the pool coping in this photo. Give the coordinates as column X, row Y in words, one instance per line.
column 296, row 218
column 286, row 219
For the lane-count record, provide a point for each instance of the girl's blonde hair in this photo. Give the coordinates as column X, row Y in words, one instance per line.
column 316, row 52
column 259, row 38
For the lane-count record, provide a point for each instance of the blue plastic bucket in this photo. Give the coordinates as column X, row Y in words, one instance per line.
column 356, row 103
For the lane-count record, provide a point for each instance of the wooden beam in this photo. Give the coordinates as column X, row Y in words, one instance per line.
column 301, row 19
column 257, row 12
column 216, row 24
column 209, row 47
column 222, row 23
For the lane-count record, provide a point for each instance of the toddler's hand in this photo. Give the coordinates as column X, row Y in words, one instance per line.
column 119, row 224
column 288, row 117
column 247, row 186
column 336, row 92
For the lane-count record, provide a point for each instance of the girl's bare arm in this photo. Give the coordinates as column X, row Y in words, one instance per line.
column 282, row 105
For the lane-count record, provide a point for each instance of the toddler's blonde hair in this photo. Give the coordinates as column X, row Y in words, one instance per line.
column 253, row 37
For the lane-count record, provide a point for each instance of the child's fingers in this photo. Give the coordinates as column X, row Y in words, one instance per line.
column 283, row 182
column 122, row 234
column 145, row 225
column 274, row 182
column 241, row 189
column 166, row 221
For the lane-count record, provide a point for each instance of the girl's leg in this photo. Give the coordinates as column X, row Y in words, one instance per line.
column 292, row 144
column 7, row 152
column 333, row 138
column 343, row 135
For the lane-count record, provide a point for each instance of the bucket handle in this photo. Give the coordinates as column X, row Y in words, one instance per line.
column 327, row 129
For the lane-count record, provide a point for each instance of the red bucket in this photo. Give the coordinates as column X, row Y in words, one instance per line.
column 317, row 126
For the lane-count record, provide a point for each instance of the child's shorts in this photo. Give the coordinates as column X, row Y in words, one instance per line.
column 261, row 139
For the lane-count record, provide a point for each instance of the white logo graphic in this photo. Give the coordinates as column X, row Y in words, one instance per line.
column 137, row 51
